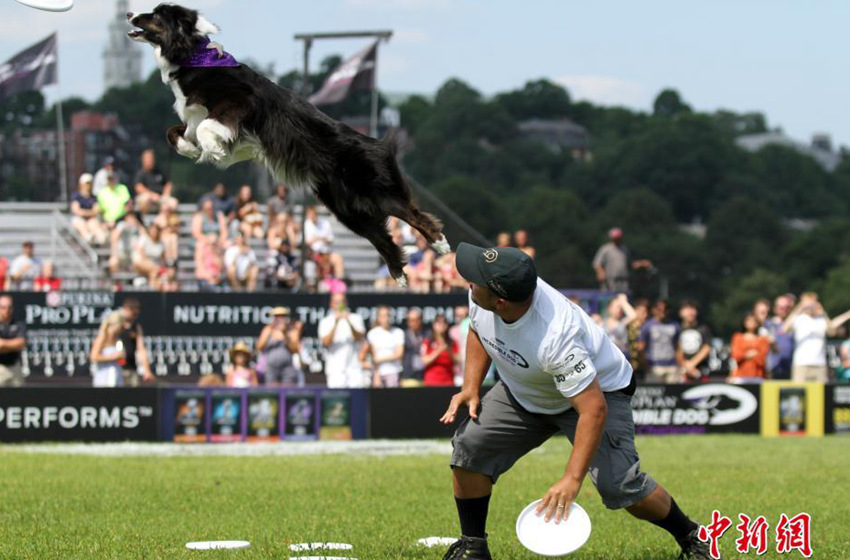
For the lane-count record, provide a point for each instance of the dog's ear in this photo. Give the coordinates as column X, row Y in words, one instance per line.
column 179, row 39
column 204, row 26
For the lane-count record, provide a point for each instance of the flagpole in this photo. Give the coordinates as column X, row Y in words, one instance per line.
column 63, row 171
column 373, row 117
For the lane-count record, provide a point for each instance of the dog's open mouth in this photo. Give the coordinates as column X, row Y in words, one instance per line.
column 135, row 33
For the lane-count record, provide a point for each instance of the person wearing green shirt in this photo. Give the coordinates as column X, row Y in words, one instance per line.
column 114, row 201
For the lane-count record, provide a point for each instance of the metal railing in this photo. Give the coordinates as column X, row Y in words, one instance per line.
column 60, row 227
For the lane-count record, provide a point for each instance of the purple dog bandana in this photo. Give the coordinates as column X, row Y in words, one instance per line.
column 205, row 57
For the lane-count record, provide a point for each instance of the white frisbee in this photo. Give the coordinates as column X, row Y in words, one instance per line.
column 49, row 5
column 304, row 546
column 549, row 539
column 429, row 542
column 217, row 545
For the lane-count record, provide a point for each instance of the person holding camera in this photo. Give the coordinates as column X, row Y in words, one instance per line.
column 276, row 344
column 340, row 332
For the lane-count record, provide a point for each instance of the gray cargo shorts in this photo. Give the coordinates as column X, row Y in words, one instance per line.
column 504, row 432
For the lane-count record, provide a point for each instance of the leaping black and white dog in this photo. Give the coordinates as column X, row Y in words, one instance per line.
column 231, row 113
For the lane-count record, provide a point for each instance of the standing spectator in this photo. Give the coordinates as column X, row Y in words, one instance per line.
column 248, row 213
column 387, row 343
column 439, row 354
column 619, row 316
column 4, row 273
column 13, row 340
column 503, row 239
column 99, row 181
column 152, row 187
column 25, row 267
column 240, row 262
column 241, row 374
column 222, row 202
column 47, row 281
column 612, row 263
column 301, row 359
column 340, row 331
column 458, row 333
column 749, row 350
column 637, row 359
column 779, row 359
column 210, row 225
column 810, row 325
column 659, row 338
column 277, row 345
column 208, row 266
column 137, row 366
column 114, row 201
column 521, row 242
column 319, row 238
column 842, row 374
column 85, row 213
column 149, row 255
column 694, row 343
column 108, row 354
column 761, row 311
column 413, row 369
column 278, row 203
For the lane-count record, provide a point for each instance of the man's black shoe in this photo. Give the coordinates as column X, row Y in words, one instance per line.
column 693, row 548
column 468, row 548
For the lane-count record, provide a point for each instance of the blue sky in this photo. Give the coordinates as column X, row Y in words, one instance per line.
column 785, row 58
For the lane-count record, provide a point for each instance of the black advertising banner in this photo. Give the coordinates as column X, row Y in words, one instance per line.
column 189, row 416
column 837, row 409
column 78, row 414
column 336, row 415
column 263, row 416
column 226, row 416
column 792, row 411
column 301, row 417
column 696, row 409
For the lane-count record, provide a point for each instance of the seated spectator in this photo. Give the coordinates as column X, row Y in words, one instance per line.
column 658, row 340
column 521, row 242
column 319, row 238
column 168, row 281
column 222, row 202
column 385, row 280
column 99, row 180
column 503, row 239
column 240, row 373
column 208, row 266
column 108, row 354
column 149, row 256
column 4, row 273
column 749, row 350
column 85, row 215
column 248, row 214
column 114, row 202
column 281, row 227
column 169, row 224
column 387, row 346
column 406, row 234
column 328, row 273
column 413, row 369
column 209, row 225
column 439, row 355
column 421, row 266
column 240, row 263
column 152, row 187
column 47, row 281
column 124, row 238
column 694, row 344
column 25, row 267
column 283, row 268
column 278, row 203
column 617, row 320
column 637, row 358
column 447, row 278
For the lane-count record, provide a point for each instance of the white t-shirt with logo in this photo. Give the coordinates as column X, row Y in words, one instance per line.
column 809, row 340
column 551, row 353
column 384, row 344
column 342, row 365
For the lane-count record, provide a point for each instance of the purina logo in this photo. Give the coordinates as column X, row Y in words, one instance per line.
column 490, row 255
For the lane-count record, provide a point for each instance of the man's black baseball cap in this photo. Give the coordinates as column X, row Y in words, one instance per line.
column 508, row 272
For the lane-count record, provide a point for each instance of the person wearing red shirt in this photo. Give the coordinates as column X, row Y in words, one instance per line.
column 439, row 354
column 749, row 350
column 47, row 281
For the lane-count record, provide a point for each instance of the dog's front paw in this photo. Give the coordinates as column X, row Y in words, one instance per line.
column 442, row 245
column 401, row 281
column 187, row 149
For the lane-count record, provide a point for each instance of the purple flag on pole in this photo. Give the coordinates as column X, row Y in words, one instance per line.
column 30, row 69
column 356, row 73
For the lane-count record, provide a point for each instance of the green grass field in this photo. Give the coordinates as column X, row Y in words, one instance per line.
column 67, row 507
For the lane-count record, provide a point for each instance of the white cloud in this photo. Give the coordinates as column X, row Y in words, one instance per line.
column 606, row 90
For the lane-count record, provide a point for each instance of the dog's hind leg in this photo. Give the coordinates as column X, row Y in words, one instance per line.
column 428, row 225
column 177, row 139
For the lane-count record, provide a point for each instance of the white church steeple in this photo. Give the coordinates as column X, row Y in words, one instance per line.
column 122, row 58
